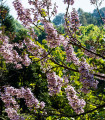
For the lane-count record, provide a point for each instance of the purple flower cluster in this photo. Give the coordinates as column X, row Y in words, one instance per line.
column 53, row 38
column 39, row 6
column 86, row 77
column 70, row 2
column 23, row 14
column 9, row 101
column 26, row 60
column 30, row 100
column 76, row 103
column 19, row 45
column 93, row 1
column 54, row 83
column 12, row 114
column 71, row 56
column 32, row 47
column 11, row 104
column 10, row 55
column 74, row 20
column 35, row 50
column 36, row 10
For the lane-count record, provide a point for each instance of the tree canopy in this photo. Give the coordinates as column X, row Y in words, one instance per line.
column 52, row 70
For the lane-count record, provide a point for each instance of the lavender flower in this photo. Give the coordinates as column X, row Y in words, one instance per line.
column 86, row 77
column 76, row 103
column 54, row 83
column 26, row 60
column 23, row 14
column 11, row 105
column 71, row 56
column 71, row 2
column 12, row 114
column 74, row 20
column 93, row 1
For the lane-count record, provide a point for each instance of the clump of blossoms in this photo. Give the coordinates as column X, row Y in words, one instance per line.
column 11, row 106
column 70, row 2
column 5, row 49
column 32, row 47
column 76, row 103
column 23, row 14
column 19, row 45
column 10, row 103
column 53, row 38
column 74, row 20
column 30, row 100
column 9, row 54
column 86, row 77
column 71, row 56
column 40, row 7
column 54, row 83
column 36, row 50
column 93, row 1
column 12, row 114
column 26, row 60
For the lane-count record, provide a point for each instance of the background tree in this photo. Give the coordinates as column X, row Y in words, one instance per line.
column 85, row 17
column 6, row 19
column 59, row 19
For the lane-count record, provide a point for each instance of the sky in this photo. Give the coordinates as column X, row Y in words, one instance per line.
column 84, row 4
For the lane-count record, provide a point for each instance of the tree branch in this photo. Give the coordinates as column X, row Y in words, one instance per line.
column 90, row 111
column 97, row 75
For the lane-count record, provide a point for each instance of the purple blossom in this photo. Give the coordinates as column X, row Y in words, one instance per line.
column 74, row 20
column 86, row 77
column 23, row 14
column 54, row 83
column 54, row 39
column 11, row 104
column 71, row 2
column 71, row 56
column 76, row 103
column 93, row 1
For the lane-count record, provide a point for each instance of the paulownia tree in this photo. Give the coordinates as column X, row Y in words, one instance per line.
column 79, row 73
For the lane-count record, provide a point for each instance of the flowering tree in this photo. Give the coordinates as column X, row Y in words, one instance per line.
column 76, row 79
